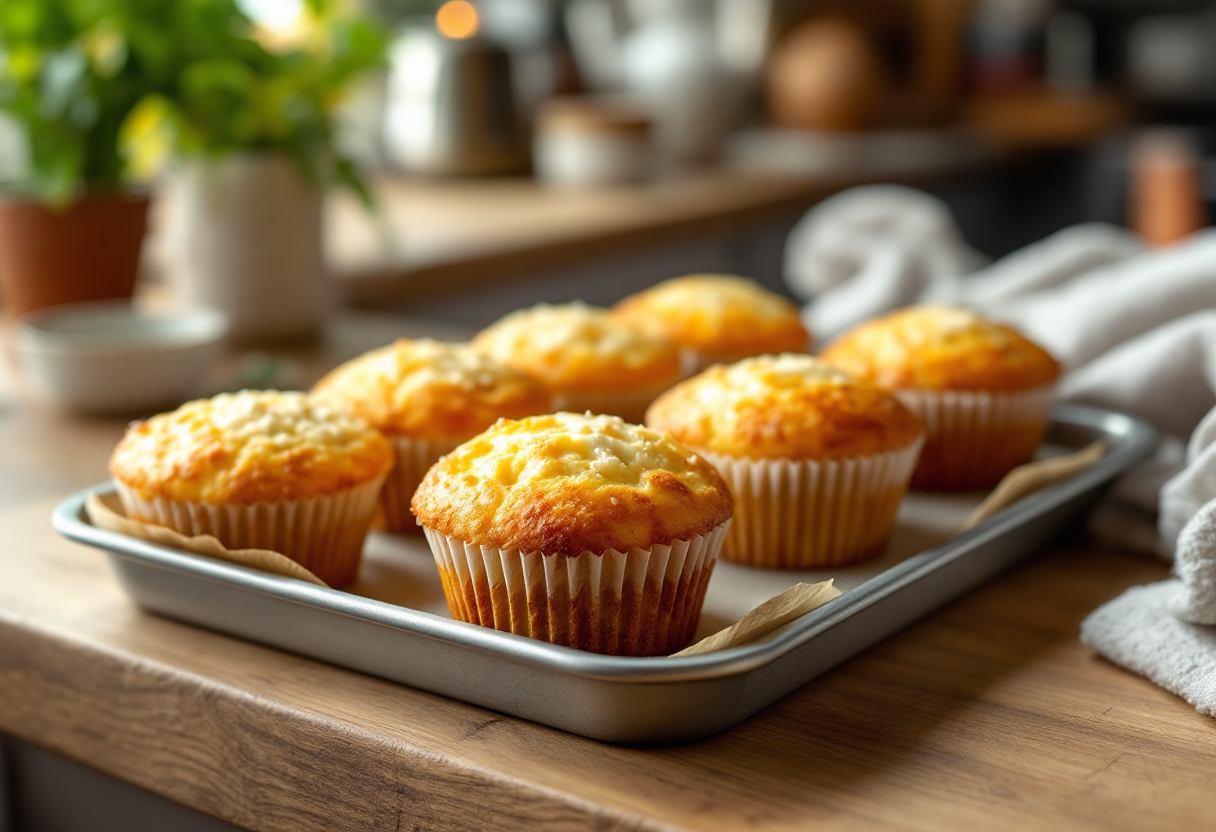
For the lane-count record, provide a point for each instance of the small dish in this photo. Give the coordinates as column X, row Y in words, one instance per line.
column 114, row 358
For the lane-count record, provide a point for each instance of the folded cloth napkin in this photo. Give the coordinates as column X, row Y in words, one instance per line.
column 1135, row 330
column 871, row 249
column 1163, row 630
column 1137, row 631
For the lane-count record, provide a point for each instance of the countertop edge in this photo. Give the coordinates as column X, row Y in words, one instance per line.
column 107, row 709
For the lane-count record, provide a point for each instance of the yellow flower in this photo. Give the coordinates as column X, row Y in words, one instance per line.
column 21, row 63
column 106, row 50
column 147, row 138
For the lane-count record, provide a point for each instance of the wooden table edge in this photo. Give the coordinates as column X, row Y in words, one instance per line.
column 43, row 701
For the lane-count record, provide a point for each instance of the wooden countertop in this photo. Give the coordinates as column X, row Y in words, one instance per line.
column 987, row 715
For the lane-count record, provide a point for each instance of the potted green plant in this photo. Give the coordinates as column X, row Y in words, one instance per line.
column 253, row 126
column 98, row 87
column 71, row 228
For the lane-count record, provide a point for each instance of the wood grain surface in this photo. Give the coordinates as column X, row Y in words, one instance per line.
column 987, row 715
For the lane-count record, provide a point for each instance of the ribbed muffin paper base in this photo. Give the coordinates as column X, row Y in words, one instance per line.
column 644, row 602
column 802, row 514
column 412, row 458
column 325, row 534
column 974, row 438
column 630, row 406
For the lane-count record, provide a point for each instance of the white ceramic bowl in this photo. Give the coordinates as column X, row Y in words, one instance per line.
column 110, row 357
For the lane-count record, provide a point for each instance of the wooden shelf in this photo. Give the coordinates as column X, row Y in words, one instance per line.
column 438, row 236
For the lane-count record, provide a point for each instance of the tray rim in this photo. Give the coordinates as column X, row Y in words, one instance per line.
column 1130, row 440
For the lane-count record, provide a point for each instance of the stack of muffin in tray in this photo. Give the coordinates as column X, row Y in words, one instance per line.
column 578, row 471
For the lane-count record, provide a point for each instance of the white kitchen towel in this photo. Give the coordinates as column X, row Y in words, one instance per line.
column 870, row 249
column 1135, row 330
column 1137, row 631
column 1195, row 566
column 1184, row 495
column 1080, row 292
column 1163, row 631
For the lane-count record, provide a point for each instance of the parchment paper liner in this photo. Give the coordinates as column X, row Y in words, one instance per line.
column 644, row 602
column 807, row 514
column 324, row 534
column 629, row 405
column 776, row 612
column 974, row 438
column 106, row 512
column 1034, row 476
column 412, row 458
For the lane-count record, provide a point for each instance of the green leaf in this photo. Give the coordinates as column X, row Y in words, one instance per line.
column 62, row 83
column 73, row 72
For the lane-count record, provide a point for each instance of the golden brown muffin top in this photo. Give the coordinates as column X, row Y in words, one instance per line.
column 567, row 484
column 431, row 390
column 717, row 314
column 788, row 406
column 577, row 347
column 249, row 447
column 942, row 348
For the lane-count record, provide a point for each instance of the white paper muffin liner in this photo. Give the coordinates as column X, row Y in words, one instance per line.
column 324, row 534
column 644, row 602
column 805, row 514
column 629, row 405
column 974, row 438
column 412, row 458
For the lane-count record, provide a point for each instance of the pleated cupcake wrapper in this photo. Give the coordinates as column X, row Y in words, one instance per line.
column 974, row 438
column 629, row 405
column 801, row 514
column 412, row 458
column 324, row 534
column 644, row 602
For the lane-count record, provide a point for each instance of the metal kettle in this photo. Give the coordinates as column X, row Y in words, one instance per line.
column 452, row 106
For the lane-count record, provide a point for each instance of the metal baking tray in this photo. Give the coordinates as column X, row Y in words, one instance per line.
column 403, row 632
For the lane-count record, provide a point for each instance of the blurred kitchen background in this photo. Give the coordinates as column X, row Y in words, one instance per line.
column 513, row 151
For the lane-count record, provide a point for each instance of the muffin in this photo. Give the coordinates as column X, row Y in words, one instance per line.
column 817, row 461
column 578, row 530
column 590, row 361
column 258, row 470
column 717, row 318
column 983, row 390
column 427, row 397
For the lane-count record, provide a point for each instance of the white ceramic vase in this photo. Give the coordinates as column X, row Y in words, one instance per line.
column 244, row 237
column 671, row 61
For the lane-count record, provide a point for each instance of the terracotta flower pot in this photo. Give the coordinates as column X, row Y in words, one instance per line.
column 87, row 251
